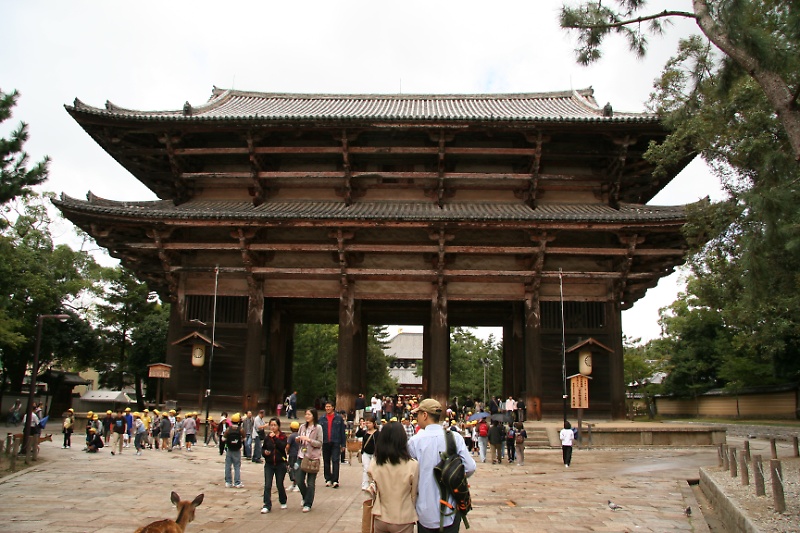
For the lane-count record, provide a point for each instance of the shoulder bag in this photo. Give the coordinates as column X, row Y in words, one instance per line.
column 308, row 465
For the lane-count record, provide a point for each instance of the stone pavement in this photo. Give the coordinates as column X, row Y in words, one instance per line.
column 72, row 491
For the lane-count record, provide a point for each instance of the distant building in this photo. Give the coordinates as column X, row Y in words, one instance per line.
column 406, row 348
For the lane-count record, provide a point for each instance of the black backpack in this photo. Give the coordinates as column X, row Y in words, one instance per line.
column 451, row 476
column 233, row 439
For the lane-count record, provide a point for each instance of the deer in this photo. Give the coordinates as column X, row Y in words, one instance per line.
column 185, row 515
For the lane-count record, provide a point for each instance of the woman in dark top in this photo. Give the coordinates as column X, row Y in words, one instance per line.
column 274, row 451
column 368, row 437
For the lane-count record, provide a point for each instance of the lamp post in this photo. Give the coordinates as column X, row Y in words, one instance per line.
column 485, row 361
column 213, row 341
column 27, row 443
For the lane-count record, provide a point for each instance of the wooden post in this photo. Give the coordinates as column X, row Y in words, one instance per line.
column 747, row 450
column 725, row 464
column 345, row 363
column 743, row 460
column 758, row 475
column 773, row 447
column 253, row 378
column 580, row 424
column 439, row 385
column 615, row 360
column 777, row 486
column 795, row 447
column 720, row 453
column 14, row 453
column 533, row 355
column 733, row 462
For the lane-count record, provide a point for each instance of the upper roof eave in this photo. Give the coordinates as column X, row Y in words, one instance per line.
column 237, row 106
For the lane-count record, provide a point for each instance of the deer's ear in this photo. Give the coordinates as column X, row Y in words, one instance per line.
column 174, row 498
column 197, row 501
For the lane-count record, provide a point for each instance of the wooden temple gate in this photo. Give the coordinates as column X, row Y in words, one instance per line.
column 440, row 211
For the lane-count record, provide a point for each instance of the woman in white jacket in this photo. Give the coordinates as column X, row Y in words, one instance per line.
column 566, row 436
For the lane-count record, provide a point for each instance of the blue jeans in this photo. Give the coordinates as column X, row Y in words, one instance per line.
column 233, row 458
column 248, row 445
column 482, row 443
column 256, row 450
column 306, row 483
column 331, row 460
column 277, row 471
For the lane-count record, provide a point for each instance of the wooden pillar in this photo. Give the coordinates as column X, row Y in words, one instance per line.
column 349, row 324
column 514, row 335
column 360, row 341
column 438, row 368
column 170, row 386
column 508, row 365
column 533, row 356
column 426, row 360
column 253, row 360
column 615, row 361
column 276, row 352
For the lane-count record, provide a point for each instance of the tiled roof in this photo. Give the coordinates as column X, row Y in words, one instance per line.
column 565, row 106
column 394, row 211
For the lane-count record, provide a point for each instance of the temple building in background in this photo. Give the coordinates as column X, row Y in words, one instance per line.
column 521, row 211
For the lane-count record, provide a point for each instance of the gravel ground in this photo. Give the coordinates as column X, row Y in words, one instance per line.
column 761, row 510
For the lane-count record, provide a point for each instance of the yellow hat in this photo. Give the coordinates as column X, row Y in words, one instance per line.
column 136, row 414
column 108, row 412
column 155, row 411
column 127, row 409
column 210, row 418
column 147, row 410
column 172, row 411
column 94, row 417
column 393, row 419
column 236, row 418
column 92, row 430
column 295, row 425
column 89, row 414
column 71, row 410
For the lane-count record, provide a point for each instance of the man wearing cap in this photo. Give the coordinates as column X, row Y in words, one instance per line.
column 233, row 439
column 425, row 447
column 118, row 429
column 108, row 421
column 129, row 426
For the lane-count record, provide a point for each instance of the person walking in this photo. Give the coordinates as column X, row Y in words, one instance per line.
column 233, row 439
column 118, row 432
column 368, row 439
column 139, row 432
column 396, row 477
column 247, row 425
column 496, row 441
column 567, row 436
column 483, row 438
column 69, row 425
column 426, row 447
column 360, row 406
column 258, row 434
column 310, row 441
column 519, row 442
column 274, row 452
column 190, row 428
column 292, row 410
column 292, row 450
column 333, row 443
column 511, row 435
column 166, row 433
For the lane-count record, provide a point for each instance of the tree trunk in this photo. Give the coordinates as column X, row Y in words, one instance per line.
column 775, row 88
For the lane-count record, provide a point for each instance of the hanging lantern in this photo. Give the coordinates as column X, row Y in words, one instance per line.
column 198, row 355
column 585, row 361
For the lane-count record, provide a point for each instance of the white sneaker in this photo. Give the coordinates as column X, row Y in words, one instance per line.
column 264, row 510
column 239, row 486
column 228, row 485
column 328, row 483
column 306, row 509
column 284, row 506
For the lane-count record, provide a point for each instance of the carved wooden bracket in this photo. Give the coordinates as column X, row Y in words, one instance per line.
column 616, row 168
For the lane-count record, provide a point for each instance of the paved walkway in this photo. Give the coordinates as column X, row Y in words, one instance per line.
column 72, row 491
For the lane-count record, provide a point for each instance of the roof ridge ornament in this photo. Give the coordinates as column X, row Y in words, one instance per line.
column 187, row 109
column 608, row 111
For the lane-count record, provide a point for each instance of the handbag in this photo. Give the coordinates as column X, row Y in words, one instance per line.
column 309, row 466
column 367, row 524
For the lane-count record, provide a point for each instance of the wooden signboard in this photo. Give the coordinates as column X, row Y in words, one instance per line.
column 579, row 386
column 159, row 370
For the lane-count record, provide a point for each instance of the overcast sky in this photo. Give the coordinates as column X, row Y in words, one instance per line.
column 156, row 55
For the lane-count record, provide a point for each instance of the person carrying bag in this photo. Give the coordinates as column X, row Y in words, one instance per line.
column 310, row 441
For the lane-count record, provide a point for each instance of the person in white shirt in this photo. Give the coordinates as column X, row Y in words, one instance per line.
column 567, row 436
column 425, row 447
column 376, row 406
column 511, row 408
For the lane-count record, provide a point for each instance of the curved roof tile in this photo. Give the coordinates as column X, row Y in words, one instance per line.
column 565, row 106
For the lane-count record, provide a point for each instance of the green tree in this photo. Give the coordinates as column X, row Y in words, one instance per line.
column 127, row 302
column 467, row 353
column 38, row 277
column 16, row 175
column 316, row 349
column 642, row 365
column 757, row 37
column 148, row 345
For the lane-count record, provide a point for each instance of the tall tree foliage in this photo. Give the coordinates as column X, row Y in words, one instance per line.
column 316, row 348
column 17, row 176
column 467, row 353
column 126, row 304
column 757, row 37
column 738, row 324
column 38, row 277
column 148, row 345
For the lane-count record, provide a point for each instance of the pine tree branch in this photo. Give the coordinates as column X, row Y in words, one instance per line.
column 663, row 14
